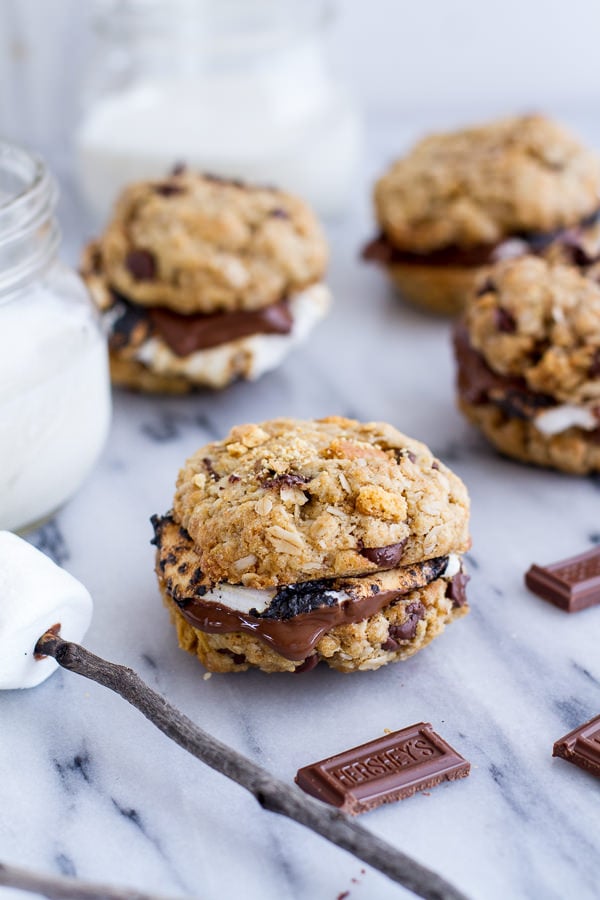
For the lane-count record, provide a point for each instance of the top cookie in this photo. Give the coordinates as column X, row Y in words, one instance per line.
column 289, row 501
column 483, row 184
column 541, row 322
column 201, row 244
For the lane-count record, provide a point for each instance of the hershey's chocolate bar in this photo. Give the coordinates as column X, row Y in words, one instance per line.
column 390, row 768
column 571, row 584
column 581, row 746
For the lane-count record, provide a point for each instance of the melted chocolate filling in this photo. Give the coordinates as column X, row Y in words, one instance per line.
column 478, row 384
column 300, row 614
column 185, row 334
column 382, row 250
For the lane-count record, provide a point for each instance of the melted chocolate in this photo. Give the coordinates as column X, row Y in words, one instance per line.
column 296, row 636
column 382, row 250
column 185, row 334
column 457, row 589
column 478, row 384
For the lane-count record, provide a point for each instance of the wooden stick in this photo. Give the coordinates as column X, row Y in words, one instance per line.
column 56, row 888
column 271, row 793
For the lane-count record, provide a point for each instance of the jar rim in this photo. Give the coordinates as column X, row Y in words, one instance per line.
column 36, row 185
column 29, row 234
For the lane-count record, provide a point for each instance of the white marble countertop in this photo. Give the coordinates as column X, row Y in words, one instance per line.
column 90, row 788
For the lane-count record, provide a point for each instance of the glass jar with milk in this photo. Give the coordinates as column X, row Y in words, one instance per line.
column 54, row 383
column 237, row 88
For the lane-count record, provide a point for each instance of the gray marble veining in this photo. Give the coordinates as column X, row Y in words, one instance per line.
column 89, row 788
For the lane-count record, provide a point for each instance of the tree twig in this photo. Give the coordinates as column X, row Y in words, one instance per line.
column 271, row 793
column 57, row 888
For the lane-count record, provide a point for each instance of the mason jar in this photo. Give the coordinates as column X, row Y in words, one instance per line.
column 54, row 383
column 242, row 90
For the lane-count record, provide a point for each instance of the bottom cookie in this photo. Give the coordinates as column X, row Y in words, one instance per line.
column 574, row 451
column 440, row 289
column 397, row 632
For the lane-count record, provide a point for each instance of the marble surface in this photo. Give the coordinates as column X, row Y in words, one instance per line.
column 89, row 788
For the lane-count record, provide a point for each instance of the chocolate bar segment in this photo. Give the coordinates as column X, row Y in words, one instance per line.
column 572, row 584
column 581, row 746
column 390, row 768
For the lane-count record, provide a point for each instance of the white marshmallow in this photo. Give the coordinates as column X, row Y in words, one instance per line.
column 560, row 418
column 35, row 594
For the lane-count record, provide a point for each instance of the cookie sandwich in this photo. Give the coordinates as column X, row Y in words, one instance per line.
column 528, row 356
column 202, row 281
column 295, row 542
column 460, row 201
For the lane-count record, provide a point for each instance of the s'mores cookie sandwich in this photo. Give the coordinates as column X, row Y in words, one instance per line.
column 202, row 281
column 528, row 356
column 460, row 201
column 295, row 542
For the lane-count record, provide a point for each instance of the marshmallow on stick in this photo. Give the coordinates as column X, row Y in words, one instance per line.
column 44, row 608
column 36, row 595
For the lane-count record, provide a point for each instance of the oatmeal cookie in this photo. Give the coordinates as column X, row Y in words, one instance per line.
column 199, row 244
column 293, row 542
column 458, row 202
column 528, row 352
column 289, row 500
column 201, row 281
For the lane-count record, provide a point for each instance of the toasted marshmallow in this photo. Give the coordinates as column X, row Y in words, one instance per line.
column 36, row 595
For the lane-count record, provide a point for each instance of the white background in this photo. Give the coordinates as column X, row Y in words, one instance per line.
column 445, row 60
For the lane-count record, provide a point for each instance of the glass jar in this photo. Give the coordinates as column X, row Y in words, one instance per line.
column 238, row 89
column 54, row 382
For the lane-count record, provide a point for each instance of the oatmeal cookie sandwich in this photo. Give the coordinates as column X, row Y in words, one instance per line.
column 295, row 542
column 528, row 354
column 462, row 200
column 201, row 281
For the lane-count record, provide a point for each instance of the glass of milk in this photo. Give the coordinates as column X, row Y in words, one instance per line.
column 54, row 382
column 238, row 88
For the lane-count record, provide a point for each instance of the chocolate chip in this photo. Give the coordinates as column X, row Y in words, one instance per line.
column 167, row 190
column 488, row 287
column 209, row 468
column 179, row 169
column 141, row 264
column 407, row 629
column 435, row 465
column 594, row 370
column 287, row 479
column 384, row 557
column 390, row 645
column 182, row 568
column 279, row 214
column 457, row 589
column 504, row 321
column 309, row 663
column 233, row 478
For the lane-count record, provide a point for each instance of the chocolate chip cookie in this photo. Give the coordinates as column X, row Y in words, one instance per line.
column 202, row 280
column 460, row 201
column 528, row 353
column 293, row 542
